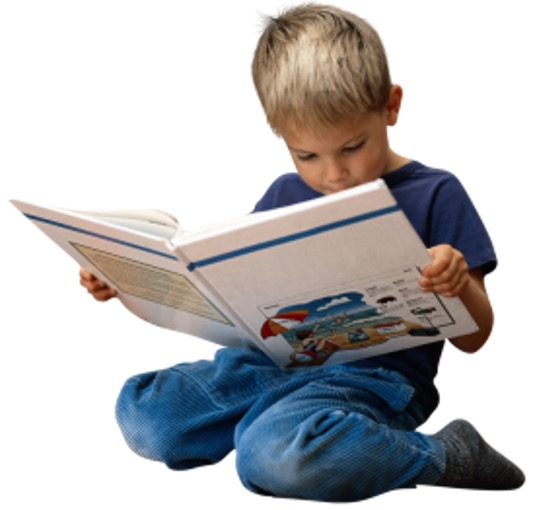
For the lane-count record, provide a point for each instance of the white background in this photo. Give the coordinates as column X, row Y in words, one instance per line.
column 150, row 104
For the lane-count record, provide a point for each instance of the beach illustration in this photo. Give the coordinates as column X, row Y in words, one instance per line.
column 317, row 328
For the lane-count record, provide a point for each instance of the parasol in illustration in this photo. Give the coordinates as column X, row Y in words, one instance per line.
column 282, row 321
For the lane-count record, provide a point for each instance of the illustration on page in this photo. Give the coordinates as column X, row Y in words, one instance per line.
column 356, row 315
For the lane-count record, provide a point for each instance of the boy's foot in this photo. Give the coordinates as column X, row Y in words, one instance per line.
column 473, row 464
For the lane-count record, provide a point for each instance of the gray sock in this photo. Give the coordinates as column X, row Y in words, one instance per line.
column 472, row 463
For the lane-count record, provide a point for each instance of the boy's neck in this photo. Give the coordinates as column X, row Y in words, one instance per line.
column 395, row 161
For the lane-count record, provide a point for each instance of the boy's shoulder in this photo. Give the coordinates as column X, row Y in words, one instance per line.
column 421, row 190
column 433, row 187
column 285, row 190
column 416, row 173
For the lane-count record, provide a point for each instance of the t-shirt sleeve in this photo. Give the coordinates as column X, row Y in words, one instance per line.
column 455, row 221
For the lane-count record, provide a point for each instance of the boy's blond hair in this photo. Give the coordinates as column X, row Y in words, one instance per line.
column 318, row 65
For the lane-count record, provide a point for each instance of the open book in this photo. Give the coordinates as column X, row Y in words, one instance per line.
column 326, row 281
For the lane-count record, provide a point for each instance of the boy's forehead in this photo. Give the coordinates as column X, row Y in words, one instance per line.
column 298, row 136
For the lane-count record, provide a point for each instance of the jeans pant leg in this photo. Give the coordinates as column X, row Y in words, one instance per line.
column 185, row 415
column 337, row 437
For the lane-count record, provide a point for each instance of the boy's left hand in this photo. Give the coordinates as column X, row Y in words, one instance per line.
column 447, row 274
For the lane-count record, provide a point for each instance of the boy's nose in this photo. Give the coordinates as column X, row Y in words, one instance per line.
column 335, row 171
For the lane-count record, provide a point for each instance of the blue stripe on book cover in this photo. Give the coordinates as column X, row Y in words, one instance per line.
column 234, row 253
column 292, row 237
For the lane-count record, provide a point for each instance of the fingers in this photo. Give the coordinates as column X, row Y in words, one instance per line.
column 447, row 274
column 103, row 294
column 449, row 287
column 97, row 288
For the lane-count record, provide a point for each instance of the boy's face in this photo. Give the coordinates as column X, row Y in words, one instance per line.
column 344, row 156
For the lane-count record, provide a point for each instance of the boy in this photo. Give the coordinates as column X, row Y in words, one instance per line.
column 347, row 432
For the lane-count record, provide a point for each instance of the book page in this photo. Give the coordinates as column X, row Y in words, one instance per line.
column 356, row 318
column 153, row 222
column 152, row 283
column 151, row 280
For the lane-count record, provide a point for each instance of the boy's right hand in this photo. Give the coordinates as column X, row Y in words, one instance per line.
column 97, row 288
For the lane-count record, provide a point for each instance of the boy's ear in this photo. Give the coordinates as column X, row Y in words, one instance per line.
column 393, row 105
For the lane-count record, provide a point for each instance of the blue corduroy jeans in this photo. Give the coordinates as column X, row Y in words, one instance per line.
column 329, row 434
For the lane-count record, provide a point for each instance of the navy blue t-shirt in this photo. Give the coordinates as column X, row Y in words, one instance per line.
column 441, row 212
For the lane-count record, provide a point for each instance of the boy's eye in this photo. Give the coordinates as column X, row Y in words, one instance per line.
column 353, row 148
column 306, row 157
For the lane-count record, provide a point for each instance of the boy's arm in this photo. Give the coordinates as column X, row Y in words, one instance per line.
column 448, row 275
column 97, row 288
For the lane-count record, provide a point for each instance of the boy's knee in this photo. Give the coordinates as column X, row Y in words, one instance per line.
column 263, row 469
column 295, row 462
column 163, row 417
column 137, row 417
